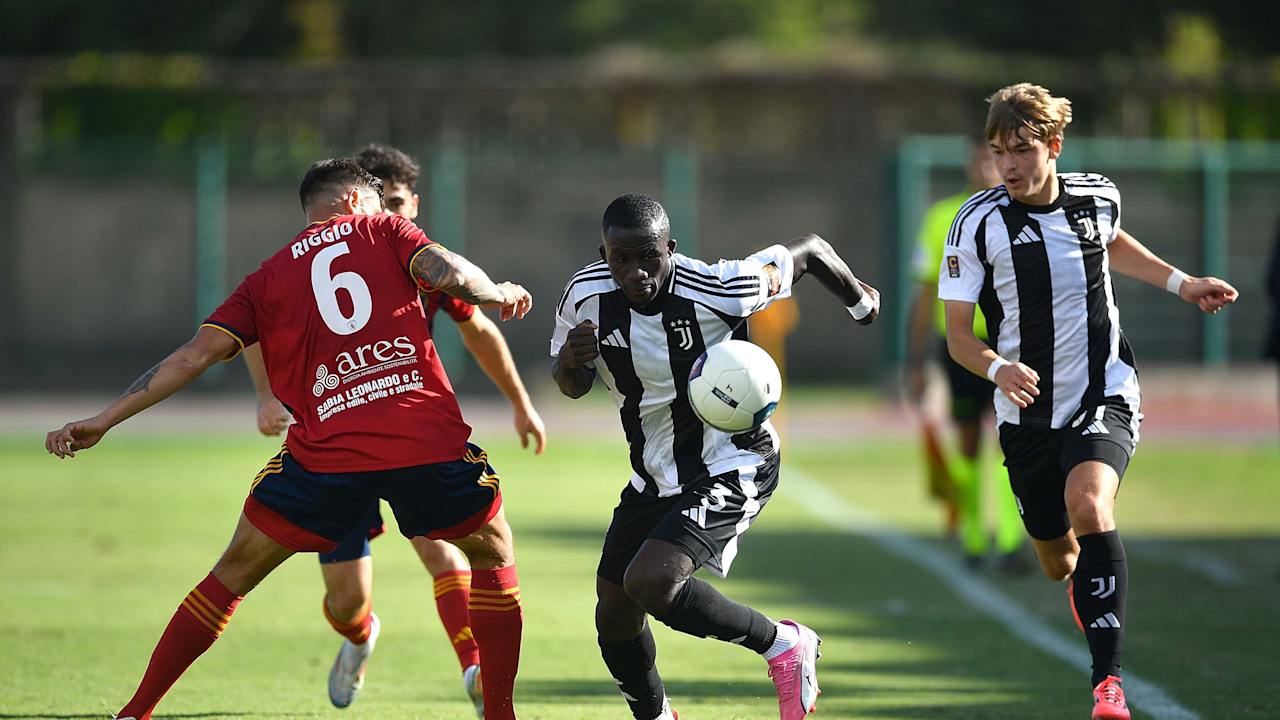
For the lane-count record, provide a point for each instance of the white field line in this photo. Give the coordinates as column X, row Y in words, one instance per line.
column 1201, row 562
column 839, row 513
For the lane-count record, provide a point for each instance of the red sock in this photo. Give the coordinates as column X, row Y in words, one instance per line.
column 357, row 631
column 200, row 619
column 453, row 593
column 496, row 620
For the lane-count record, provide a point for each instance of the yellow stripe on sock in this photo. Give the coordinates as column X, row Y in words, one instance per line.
column 216, row 611
column 201, row 616
column 513, row 590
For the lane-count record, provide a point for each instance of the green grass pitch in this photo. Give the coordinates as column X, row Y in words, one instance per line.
column 98, row 552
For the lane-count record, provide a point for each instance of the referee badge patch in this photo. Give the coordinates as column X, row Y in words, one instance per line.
column 953, row 266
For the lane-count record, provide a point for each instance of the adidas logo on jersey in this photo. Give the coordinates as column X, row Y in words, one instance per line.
column 1106, row 622
column 615, row 339
column 1026, row 237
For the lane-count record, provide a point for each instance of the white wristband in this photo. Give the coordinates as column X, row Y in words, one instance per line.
column 995, row 365
column 1174, row 283
column 863, row 308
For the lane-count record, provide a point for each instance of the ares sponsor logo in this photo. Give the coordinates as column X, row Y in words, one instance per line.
column 360, row 358
column 328, row 235
column 325, row 380
column 373, row 353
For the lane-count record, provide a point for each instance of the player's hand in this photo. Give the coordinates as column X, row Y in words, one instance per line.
column 272, row 417
column 516, row 301
column 875, row 310
column 1209, row 293
column 580, row 346
column 75, row 436
column 1018, row 383
column 528, row 422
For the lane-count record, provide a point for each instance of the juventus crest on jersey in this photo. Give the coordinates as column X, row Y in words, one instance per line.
column 646, row 355
column 1041, row 276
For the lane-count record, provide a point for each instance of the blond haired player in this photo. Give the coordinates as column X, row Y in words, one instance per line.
column 1036, row 253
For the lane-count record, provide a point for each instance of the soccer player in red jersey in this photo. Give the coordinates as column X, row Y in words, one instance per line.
column 346, row 348
column 348, row 570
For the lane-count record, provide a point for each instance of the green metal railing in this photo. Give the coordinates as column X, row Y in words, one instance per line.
column 1215, row 162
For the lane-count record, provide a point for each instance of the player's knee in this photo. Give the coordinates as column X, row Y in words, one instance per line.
column 1090, row 513
column 489, row 547
column 652, row 587
column 439, row 556
column 345, row 602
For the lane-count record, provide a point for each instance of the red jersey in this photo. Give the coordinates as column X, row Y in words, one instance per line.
column 347, row 348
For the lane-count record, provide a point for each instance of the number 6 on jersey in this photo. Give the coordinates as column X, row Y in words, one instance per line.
column 326, row 289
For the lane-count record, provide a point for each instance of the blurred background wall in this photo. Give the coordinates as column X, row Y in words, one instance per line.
column 150, row 151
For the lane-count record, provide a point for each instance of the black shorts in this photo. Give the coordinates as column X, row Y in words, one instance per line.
column 971, row 396
column 705, row 519
column 1039, row 460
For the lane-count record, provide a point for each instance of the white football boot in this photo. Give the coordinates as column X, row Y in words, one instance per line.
column 474, row 686
column 347, row 676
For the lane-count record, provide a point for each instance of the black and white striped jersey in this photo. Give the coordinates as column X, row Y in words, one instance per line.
column 645, row 358
column 1041, row 276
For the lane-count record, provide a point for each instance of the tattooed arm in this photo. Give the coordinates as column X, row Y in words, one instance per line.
column 181, row 367
column 439, row 269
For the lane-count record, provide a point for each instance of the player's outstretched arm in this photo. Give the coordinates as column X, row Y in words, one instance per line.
column 569, row 368
column 436, row 268
column 812, row 255
column 1015, row 380
column 273, row 418
column 487, row 345
column 1132, row 258
column 167, row 377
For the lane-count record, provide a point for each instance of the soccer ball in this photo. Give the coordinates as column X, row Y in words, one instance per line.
column 735, row 386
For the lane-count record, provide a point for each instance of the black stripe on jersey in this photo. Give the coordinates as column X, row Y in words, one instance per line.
column 748, row 283
column 704, row 291
column 716, row 278
column 605, row 275
column 1082, row 217
column 684, row 345
column 615, row 314
column 1079, row 178
column 953, row 238
column 988, row 301
column 1035, row 312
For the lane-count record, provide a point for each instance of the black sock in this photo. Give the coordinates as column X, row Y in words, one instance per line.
column 1101, row 582
column 631, row 663
column 700, row 610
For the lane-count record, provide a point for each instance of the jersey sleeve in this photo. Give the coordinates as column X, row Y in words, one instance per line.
column 960, row 274
column 1114, row 197
column 738, row 287
column 460, row 310
column 236, row 317
column 407, row 240
column 566, row 320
